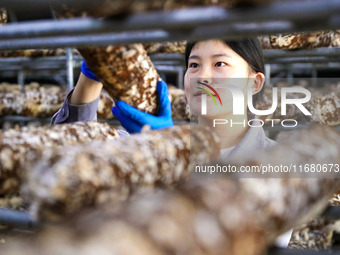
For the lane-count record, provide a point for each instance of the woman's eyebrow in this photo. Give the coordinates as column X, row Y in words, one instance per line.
column 213, row 56
column 221, row 55
column 194, row 57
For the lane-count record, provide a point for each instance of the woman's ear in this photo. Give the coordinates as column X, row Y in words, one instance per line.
column 258, row 82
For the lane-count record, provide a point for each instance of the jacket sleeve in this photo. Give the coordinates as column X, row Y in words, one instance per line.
column 69, row 113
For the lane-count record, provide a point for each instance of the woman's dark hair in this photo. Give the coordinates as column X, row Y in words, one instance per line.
column 249, row 49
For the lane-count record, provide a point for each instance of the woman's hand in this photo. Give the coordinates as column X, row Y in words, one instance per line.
column 133, row 119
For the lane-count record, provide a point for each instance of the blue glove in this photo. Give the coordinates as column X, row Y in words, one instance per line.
column 133, row 119
column 87, row 72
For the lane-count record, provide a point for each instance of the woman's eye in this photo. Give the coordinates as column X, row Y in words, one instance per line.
column 193, row 65
column 219, row 64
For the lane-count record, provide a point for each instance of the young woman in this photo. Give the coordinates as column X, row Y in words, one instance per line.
column 238, row 63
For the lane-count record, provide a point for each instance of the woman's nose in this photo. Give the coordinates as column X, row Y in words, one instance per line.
column 205, row 76
column 205, row 80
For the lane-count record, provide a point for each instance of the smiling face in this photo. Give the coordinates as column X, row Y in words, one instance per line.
column 213, row 62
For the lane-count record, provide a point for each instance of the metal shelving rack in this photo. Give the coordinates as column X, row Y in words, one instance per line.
column 272, row 56
column 186, row 24
column 59, row 67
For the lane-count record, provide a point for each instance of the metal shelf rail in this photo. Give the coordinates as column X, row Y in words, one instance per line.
column 183, row 24
column 321, row 58
column 317, row 55
column 41, row 63
column 271, row 56
column 276, row 60
column 55, row 65
column 21, row 65
column 15, row 218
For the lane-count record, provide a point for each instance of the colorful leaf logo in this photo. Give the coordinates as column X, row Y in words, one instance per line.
column 206, row 91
